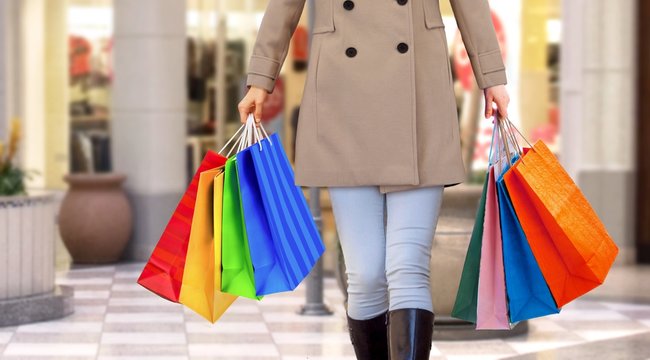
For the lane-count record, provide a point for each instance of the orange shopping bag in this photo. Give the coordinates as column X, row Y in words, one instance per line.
column 201, row 287
column 570, row 243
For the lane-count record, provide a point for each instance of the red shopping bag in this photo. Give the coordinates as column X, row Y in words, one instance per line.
column 163, row 273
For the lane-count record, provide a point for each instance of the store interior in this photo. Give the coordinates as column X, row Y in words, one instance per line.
column 221, row 34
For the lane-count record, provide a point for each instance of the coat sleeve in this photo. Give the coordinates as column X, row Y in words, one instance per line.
column 272, row 43
column 477, row 30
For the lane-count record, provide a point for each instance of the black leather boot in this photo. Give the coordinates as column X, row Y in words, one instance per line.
column 410, row 333
column 369, row 337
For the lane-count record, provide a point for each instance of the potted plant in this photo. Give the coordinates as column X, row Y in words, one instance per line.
column 11, row 176
column 27, row 289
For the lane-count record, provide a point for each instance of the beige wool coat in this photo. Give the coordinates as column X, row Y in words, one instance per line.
column 378, row 105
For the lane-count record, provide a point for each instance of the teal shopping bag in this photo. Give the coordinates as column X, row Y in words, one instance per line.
column 466, row 301
column 528, row 294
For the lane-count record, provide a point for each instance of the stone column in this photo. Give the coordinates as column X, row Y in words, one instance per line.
column 148, row 127
column 29, row 86
column 56, row 102
column 9, row 55
column 3, row 69
column 534, row 105
column 34, row 89
column 598, row 110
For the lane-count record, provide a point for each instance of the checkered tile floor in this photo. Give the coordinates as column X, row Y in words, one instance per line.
column 115, row 318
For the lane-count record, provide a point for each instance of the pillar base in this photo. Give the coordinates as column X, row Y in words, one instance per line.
column 151, row 214
column 41, row 307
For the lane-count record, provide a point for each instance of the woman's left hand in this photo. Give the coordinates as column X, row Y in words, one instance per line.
column 499, row 95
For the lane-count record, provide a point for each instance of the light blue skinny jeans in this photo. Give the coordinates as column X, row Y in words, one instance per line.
column 386, row 241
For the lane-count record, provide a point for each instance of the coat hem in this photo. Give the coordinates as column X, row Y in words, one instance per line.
column 324, row 178
column 390, row 175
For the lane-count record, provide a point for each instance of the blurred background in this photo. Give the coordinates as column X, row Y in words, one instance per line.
column 114, row 103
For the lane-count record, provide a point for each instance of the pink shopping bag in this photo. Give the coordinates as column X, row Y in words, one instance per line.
column 492, row 310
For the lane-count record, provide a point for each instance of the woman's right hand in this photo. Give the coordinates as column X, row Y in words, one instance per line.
column 252, row 102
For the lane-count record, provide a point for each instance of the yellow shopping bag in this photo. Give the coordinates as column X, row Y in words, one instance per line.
column 201, row 286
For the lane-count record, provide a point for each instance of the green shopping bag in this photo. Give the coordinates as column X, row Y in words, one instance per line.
column 237, row 268
column 467, row 295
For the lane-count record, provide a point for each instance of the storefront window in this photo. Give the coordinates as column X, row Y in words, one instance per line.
column 531, row 56
column 90, row 73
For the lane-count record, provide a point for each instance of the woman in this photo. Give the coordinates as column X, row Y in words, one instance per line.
column 378, row 127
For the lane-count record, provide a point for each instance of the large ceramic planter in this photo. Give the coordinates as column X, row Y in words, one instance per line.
column 95, row 219
column 27, row 267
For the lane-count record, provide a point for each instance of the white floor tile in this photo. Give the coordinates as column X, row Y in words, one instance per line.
column 233, row 309
column 293, row 317
column 310, row 338
column 143, row 338
column 54, row 350
column 542, row 324
column 85, row 281
column 282, row 300
column 108, row 269
column 144, row 317
column 137, row 301
column 625, row 306
column 61, row 327
column 319, row 358
column 589, row 315
column 227, row 327
column 525, row 347
column 238, row 350
column 595, row 335
column 91, row 294
column 5, row 337
column 435, row 351
column 645, row 322
column 128, row 274
column 89, row 309
column 128, row 287
column 478, row 357
column 156, row 357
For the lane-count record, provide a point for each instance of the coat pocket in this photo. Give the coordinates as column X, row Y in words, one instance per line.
column 432, row 15
column 323, row 16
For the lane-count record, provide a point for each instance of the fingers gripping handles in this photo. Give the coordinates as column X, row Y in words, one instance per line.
column 249, row 133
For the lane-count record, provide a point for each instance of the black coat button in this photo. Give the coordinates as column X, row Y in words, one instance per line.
column 348, row 4
column 402, row 47
column 351, row 52
column 402, row 2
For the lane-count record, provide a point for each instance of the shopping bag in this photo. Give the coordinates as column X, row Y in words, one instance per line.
column 237, row 276
column 528, row 294
column 491, row 310
column 201, row 287
column 467, row 294
column 163, row 272
column 269, row 276
column 296, row 237
column 569, row 242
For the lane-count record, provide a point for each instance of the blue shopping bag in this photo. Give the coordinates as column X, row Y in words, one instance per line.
column 268, row 273
column 296, row 237
column 528, row 294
